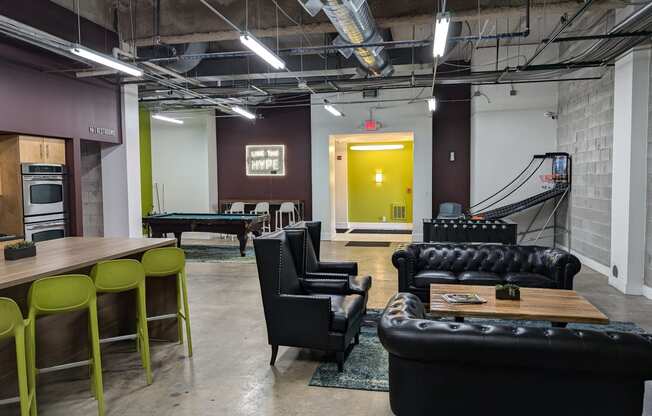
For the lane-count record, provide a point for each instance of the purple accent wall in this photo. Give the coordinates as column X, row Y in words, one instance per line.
column 288, row 126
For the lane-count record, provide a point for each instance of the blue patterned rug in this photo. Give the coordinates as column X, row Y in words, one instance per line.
column 218, row 254
column 367, row 365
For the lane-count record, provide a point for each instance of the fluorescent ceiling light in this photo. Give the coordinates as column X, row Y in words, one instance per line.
column 441, row 34
column 168, row 119
column 261, row 50
column 334, row 111
column 106, row 60
column 243, row 112
column 432, row 104
column 377, row 147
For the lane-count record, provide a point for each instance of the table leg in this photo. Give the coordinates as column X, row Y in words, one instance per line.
column 242, row 238
column 178, row 237
column 559, row 324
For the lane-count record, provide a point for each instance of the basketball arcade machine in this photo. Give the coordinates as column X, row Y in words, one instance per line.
column 489, row 225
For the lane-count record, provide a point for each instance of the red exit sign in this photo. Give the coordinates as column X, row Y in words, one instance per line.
column 371, row 125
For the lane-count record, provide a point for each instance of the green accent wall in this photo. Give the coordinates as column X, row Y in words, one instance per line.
column 146, row 187
column 370, row 201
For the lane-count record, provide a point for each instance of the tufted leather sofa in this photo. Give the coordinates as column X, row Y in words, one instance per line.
column 421, row 264
column 450, row 368
column 325, row 316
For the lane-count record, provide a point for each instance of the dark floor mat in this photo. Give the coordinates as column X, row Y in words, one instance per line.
column 367, row 244
column 341, row 230
column 361, row 231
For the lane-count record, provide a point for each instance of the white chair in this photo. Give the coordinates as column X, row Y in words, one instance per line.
column 236, row 208
column 262, row 208
column 286, row 208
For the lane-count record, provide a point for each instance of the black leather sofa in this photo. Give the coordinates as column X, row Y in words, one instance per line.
column 448, row 368
column 318, row 314
column 313, row 271
column 421, row 264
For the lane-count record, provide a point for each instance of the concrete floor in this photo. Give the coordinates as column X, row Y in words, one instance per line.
column 229, row 373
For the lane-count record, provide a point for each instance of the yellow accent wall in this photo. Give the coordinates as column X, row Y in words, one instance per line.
column 369, row 201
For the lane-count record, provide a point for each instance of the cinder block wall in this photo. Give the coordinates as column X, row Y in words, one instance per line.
column 91, row 184
column 585, row 130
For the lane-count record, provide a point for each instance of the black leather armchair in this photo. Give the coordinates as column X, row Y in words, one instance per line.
column 421, row 264
column 315, row 272
column 320, row 316
column 462, row 369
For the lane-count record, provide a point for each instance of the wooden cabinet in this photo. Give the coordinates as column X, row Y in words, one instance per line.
column 42, row 150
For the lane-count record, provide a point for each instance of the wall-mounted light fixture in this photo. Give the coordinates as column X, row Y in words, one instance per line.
column 377, row 147
column 378, row 177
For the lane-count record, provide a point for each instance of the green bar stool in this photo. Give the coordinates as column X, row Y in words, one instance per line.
column 61, row 294
column 115, row 276
column 13, row 326
column 168, row 261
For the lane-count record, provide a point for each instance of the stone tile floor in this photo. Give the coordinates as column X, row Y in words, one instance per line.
column 229, row 373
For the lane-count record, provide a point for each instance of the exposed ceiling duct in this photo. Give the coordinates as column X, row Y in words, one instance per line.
column 355, row 24
column 182, row 65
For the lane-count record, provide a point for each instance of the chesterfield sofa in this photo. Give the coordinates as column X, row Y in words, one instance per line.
column 420, row 264
column 447, row 368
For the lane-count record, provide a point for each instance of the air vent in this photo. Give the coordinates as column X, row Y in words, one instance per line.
column 399, row 212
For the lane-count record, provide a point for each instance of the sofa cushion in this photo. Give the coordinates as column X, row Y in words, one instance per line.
column 426, row 277
column 360, row 284
column 480, row 278
column 345, row 310
column 529, row 280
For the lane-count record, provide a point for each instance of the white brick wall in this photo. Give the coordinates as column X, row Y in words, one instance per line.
column 585, row 131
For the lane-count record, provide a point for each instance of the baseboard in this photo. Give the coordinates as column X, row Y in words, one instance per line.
column 342, row 225
column 647, row 291
column 589, row 262
column 381, row 225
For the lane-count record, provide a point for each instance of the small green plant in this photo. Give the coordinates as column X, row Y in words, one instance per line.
column 20, row 245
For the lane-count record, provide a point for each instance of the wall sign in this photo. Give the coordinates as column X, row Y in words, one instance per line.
column 265, row 160
column 102, row 131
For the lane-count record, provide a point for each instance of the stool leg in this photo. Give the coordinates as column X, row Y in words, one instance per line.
column 143, row 333
column 31, row 361
column 186, row 310
column 21, row 364
column 179, row 307
column 97, row 359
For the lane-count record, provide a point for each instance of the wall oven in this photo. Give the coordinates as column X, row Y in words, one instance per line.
column 44, row 189
column 45, row 227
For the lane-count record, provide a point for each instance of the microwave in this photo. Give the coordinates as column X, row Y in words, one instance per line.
column 44, row 189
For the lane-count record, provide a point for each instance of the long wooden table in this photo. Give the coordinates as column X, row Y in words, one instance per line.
column 554, row 305
column 64, row 338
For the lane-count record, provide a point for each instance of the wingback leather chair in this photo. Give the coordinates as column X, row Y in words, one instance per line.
column 314, row 272
column 323, row 317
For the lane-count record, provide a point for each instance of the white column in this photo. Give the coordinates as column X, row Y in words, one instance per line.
column 629, row 177
column 212, row 161
column 121, row 174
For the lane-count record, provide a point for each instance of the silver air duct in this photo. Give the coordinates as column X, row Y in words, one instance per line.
column 355, row 24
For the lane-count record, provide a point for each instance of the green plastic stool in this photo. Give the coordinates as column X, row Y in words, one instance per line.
column 168, row 261
column 12, row 325
column 115, row 276
column 61, row 294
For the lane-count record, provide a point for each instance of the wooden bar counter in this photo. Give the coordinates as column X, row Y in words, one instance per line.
column 64, row 338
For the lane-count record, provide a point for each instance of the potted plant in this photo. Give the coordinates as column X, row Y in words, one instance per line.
column 20, row 250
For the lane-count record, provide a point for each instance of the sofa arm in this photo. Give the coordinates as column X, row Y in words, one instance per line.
column 404, row 260
column 561, row 267
column 310, row 318
column 346, row 267
column 332, row 284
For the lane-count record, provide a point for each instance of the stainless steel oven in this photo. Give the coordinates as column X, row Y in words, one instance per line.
column 46, row 227
column 44, row 189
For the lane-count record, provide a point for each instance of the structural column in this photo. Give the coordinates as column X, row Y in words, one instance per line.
column 629, row 177
column 121, row 173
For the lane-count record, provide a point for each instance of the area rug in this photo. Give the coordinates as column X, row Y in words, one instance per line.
column 363, row 231
column 218, row 254
column 367, row 365
column 367, row 244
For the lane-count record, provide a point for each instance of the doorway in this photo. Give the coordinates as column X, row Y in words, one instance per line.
column 372, row 186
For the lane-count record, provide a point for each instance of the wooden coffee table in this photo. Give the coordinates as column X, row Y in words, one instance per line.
column 555, row 305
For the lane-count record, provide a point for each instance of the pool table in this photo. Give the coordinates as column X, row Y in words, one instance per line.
column 176, row 223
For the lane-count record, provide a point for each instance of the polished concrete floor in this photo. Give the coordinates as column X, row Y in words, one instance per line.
column 229, row 373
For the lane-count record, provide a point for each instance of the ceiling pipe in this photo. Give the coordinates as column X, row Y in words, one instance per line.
column 355, row 24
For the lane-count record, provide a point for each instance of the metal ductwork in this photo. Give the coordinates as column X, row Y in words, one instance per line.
column 355, row 24
column 184, row 65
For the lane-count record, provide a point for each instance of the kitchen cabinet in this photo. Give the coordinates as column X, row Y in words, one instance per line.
column 42, row 150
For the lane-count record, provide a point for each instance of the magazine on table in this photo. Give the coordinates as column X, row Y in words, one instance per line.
column 465, row 298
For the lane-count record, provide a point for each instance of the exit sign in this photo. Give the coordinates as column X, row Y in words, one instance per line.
column 371, row 125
